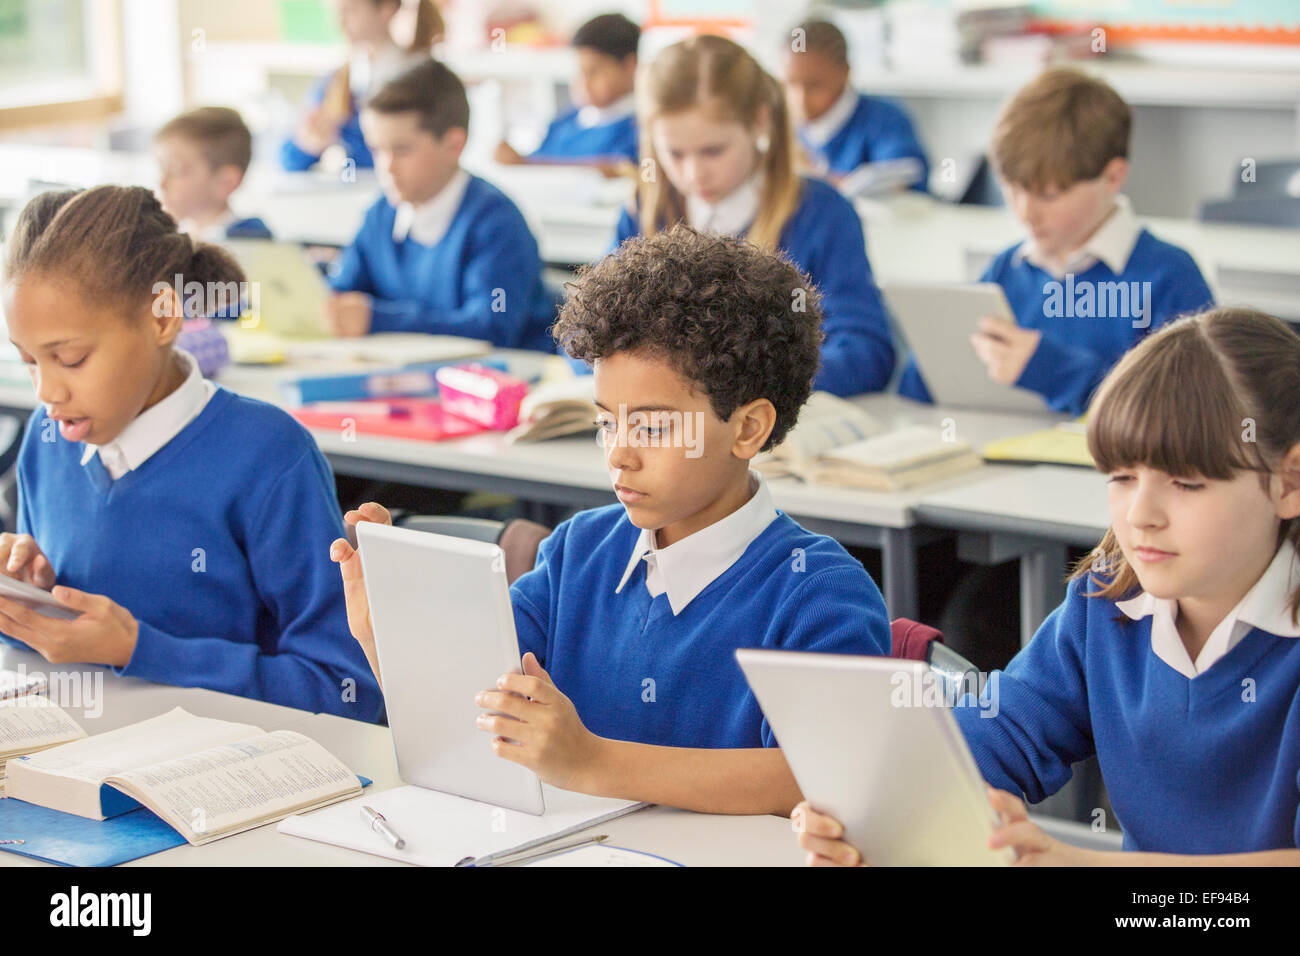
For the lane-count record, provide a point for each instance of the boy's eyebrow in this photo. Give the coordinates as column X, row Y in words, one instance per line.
column 641, row 408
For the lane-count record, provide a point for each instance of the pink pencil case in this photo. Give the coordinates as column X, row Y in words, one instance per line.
column 481, row 394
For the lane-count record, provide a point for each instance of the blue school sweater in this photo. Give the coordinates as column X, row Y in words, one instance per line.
column 636, row 672
column 296, row 159
column 251, row 228
column 1209, row 764
column 483, row 279
column 876, row 130
column 218, row 544
column 1083, row 337
column 824, row 239
column 566, row 139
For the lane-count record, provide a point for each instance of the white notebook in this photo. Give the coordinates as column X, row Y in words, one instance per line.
column 443, row 830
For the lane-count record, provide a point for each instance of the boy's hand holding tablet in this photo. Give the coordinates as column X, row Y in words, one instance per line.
column 344, row 553
column 1004, row 347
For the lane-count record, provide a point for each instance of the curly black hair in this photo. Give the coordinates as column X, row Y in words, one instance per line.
column 736, row 321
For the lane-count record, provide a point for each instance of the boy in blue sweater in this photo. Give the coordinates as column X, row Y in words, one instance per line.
column 629, row 620
column 1090, row 281
column 1175, row 657
column 840, row 129
column 602, row 130
column 441, row 251
column 176, row 517
column 203, row 156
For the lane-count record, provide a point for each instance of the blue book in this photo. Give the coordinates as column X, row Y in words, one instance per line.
column 69, row 840
column 411, row 381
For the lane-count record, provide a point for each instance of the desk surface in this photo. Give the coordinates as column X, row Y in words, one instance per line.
column 690, row 838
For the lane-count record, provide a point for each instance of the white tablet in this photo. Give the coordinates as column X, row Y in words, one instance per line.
column 869, row 747
column 34, row 598
column 444, row 631
column 937, row 320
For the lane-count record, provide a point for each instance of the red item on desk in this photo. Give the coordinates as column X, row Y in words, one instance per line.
column 422, row 419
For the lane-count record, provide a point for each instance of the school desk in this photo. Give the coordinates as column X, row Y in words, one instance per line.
column 694, row 839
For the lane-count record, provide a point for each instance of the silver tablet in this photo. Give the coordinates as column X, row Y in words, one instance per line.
column 870, row 743
column 34, row 598
column 937, row 319
column 444, row 631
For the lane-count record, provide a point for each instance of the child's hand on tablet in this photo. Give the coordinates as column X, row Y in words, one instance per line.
column 343, row 552
column 21, row 558
column 823, row 838
column 507, row 155
column 349, row 314
column 540, row 727
column 103, row 633
column 1005, row 348
column 1033, row 847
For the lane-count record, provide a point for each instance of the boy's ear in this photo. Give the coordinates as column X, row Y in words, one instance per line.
column 753, row 421
column 228, row 178
column 1289, row 471
column 454, row 139
column 1115, row 173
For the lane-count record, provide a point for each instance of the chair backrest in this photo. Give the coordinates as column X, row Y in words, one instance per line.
column 914, row 641
column 519, row 538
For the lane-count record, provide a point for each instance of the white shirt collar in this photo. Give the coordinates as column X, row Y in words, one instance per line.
column 687, row 567
column 153, row 428
column 428, row 222
column 729, row 216
column 1112, row 243
column 591, row 116
column 1265, row 606
column 824, row 128
column 214, row 231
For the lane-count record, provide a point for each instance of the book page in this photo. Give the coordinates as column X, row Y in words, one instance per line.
column 32, row 723
column 231, row 787
column 826, row 422
column 168, row 735
column 904, row 448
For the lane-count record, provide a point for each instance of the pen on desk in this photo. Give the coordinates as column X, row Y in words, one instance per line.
column 379, row 824
column 515, row 857
column 8, row 842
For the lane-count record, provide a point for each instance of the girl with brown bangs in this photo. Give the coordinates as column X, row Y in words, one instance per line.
column 1175, row 658
column 718, row 153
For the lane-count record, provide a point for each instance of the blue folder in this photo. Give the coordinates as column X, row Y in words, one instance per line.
column 70, row 840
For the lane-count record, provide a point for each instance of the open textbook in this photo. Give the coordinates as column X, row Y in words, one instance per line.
column 555, row 409
column 29, row 724
column 206, row 778
column 837, row 443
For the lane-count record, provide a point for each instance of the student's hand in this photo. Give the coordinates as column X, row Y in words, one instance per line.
column 507, row 154
column 316, row 132
column 542, row 729
column 1005, row 348
column 104, row 633
column 349, row 314
column 354, row 582
column 21, row 558
column 1033, row 847
column 823, row 838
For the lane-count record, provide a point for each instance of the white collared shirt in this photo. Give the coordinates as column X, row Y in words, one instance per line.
column 214, row 231
column 729, row 216
column 428, row 222
column 824, row 128
column 1111, row 243
column 590, row 116
column 154, row 427
column 687, row 567
column 1265, row 606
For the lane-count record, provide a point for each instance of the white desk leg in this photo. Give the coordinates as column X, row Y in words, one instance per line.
column 898, row 568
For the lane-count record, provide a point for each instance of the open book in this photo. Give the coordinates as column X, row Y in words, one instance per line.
column 206, row 778
column 555, row 409
column 837, row 443
column 30, row 724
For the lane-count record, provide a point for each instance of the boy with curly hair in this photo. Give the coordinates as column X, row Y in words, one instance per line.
column 704, row 349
